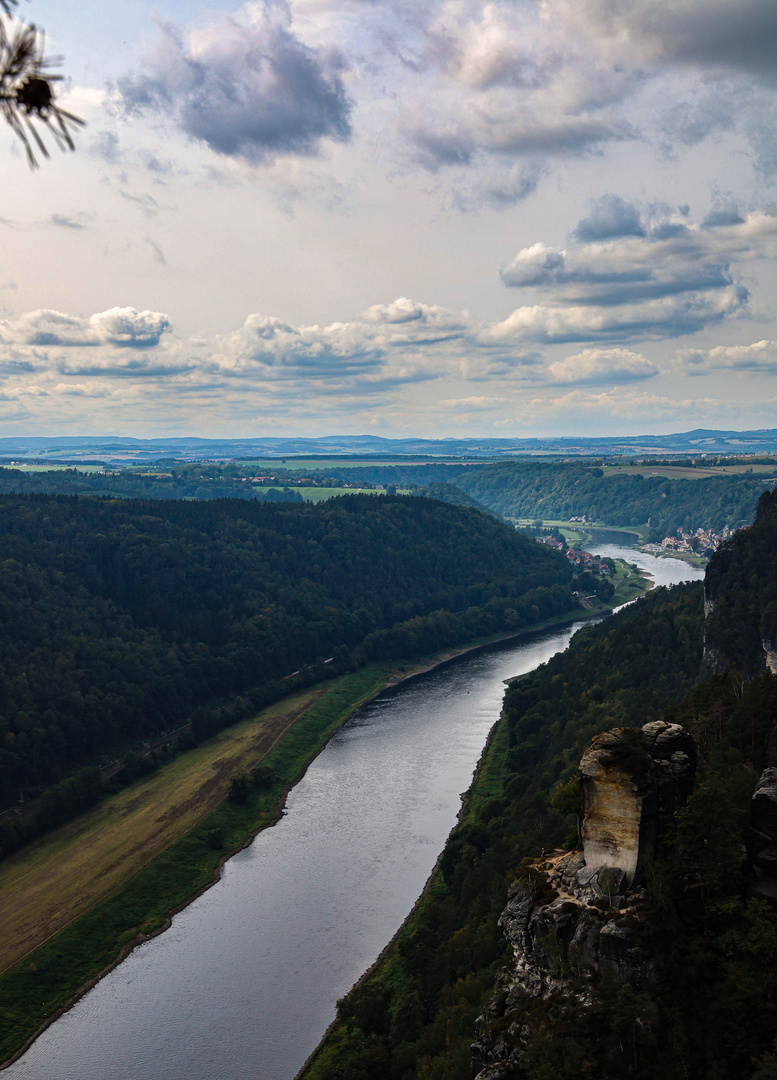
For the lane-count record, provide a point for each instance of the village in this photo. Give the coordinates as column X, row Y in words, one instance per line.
column 701, row 542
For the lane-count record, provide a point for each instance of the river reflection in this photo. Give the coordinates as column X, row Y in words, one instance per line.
column 245, row 982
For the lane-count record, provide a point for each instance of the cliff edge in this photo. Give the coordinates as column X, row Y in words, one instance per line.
column 575, row 918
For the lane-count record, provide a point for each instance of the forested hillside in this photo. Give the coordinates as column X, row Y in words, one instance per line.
column 741, row 585
column 561, row 490
column 118, row 617
column 183, row 483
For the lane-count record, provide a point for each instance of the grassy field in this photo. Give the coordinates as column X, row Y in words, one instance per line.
column 23, row 466
column 684, row 472
column 322, row 464
column 38, row 987
column 573, row 530
column 52, row 882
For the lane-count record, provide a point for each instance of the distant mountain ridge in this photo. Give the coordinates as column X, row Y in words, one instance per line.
column 698, row 441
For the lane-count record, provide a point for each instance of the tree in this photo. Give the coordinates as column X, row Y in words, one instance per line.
column 26, row 93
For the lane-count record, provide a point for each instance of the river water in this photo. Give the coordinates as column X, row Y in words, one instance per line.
column 244, row 983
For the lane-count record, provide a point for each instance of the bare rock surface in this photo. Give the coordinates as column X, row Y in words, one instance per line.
column 630, row 791
column 573, row 917
column 763, row 832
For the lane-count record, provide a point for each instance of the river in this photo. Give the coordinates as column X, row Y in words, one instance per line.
column 244, row 983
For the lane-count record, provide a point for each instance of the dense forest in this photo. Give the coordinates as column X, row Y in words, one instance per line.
column 415, row 1017
column 561, row 490
column 741, row 584
column 193, row 482
column 119, row 617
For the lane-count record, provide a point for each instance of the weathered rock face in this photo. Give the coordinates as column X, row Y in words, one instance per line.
column 567, row 925
column 630, row 791
column 577, row 916
column 770, row 655
column 763, row 832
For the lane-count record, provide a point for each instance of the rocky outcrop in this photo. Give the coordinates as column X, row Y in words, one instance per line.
column 630, row 790
column 763, row 833
column 574, row 917
column 770, row 655
column 567, row 925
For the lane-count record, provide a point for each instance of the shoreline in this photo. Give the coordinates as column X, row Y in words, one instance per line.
column 392, row 683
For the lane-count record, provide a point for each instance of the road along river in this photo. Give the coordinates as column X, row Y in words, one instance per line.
column 244, row 983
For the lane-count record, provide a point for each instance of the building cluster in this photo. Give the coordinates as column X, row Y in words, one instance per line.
column 701, row 542
column 582, row 559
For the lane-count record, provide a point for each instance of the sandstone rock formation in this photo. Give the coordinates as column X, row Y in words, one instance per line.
column 576, row 916
column 630, row 791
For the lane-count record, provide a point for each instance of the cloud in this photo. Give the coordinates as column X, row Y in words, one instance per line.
column 535, row 265
column 706, row 34
column 610, row 217
column 105, row 146
column 122, row 327
column 599, row 366
column 653, row 319
column 668, row 277
column 389, row 344
column 247, row 86
column 521, row 182
column 159, row 255
column 761, row 356
column 515, row 133
column 725, row 213
column 436, row 149
column 65, row 221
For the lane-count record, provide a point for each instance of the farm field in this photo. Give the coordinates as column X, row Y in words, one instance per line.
column 24, row 466
column 684, row 472
column 55, row 880
column 322, row 464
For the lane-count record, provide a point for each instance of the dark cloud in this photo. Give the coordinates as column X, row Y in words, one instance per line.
column 611, row 217
column 717, row 34
column 668, row 230
column 727, row 214
column 740, row 35
column 251, row 90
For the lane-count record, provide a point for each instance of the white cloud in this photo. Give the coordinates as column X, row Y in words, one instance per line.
column 761, row 356
column 124, row 327
column 598, row 366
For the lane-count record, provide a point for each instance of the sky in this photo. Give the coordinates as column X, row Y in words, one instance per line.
column 550, row 217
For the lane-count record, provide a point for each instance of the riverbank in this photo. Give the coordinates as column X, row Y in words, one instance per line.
column 48, row 981
column 414, row 1013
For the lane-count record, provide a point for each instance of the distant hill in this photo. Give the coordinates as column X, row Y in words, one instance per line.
column 699, row 441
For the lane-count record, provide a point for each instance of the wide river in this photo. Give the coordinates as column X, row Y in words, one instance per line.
column 244, row 983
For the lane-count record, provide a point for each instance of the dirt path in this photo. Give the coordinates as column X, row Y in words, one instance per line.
column 54, row 881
